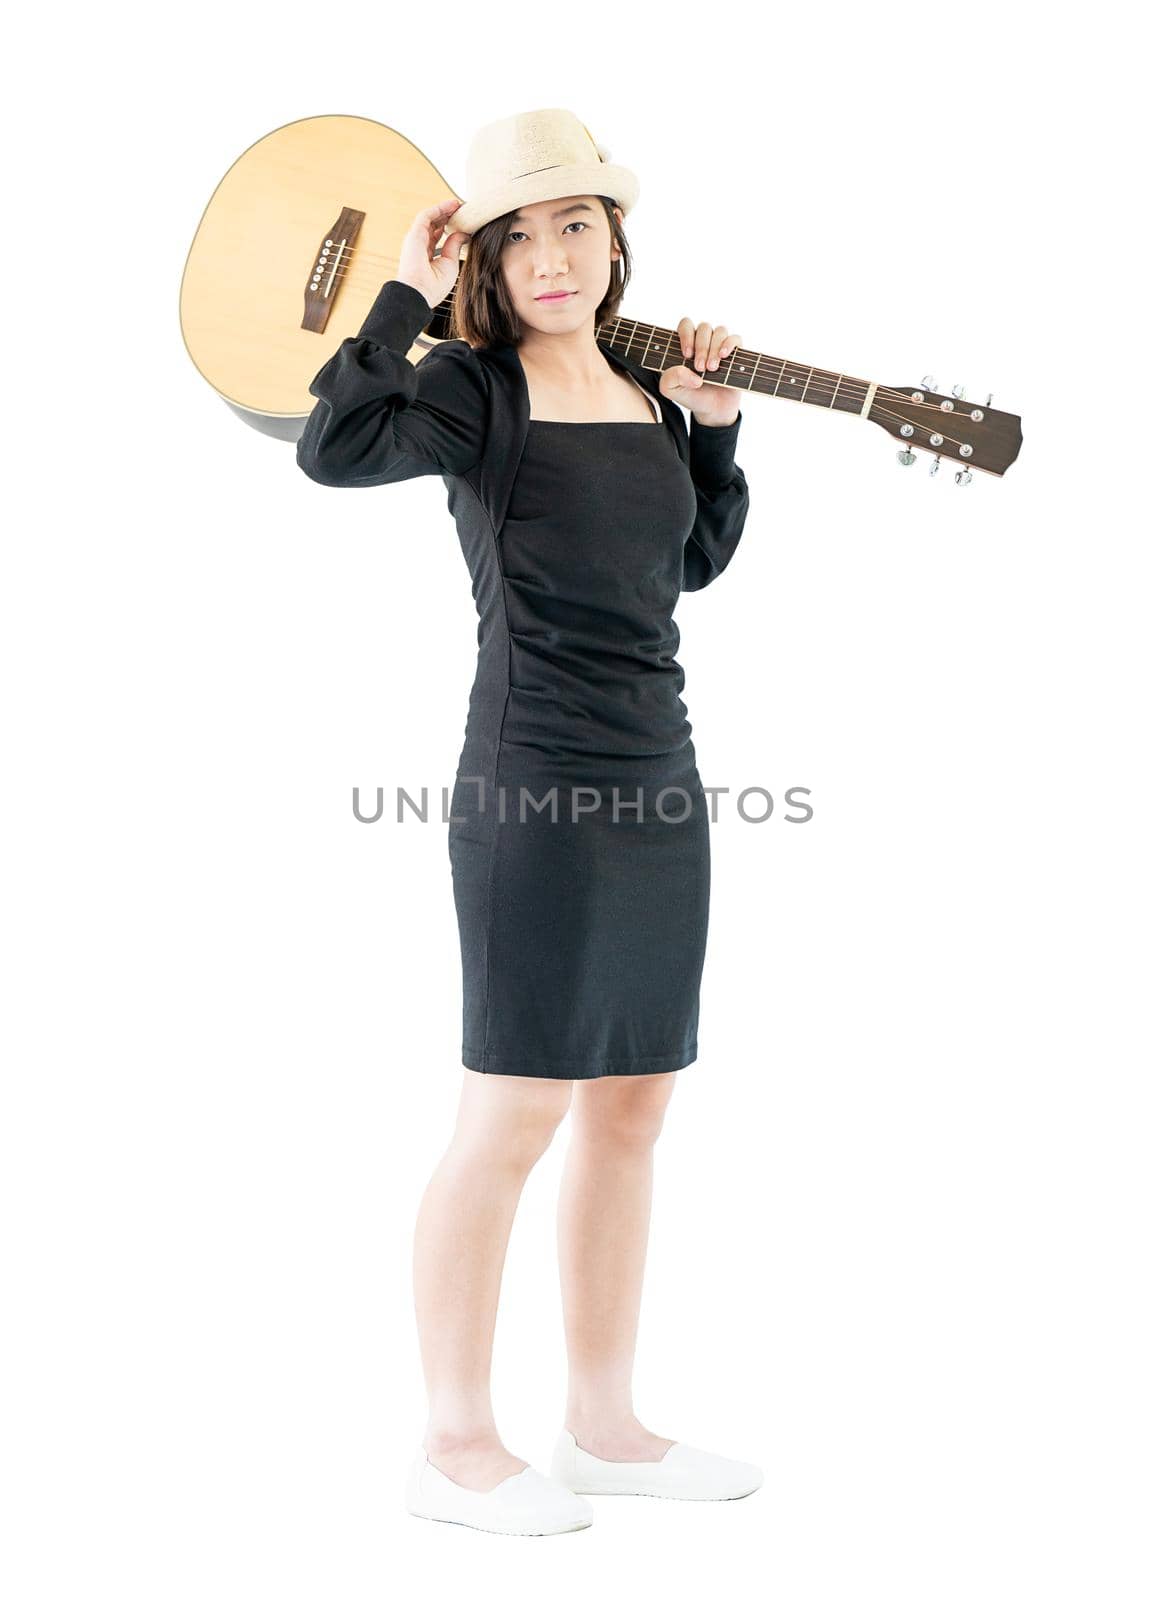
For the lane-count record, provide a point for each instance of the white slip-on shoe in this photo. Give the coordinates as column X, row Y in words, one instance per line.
column 684, row 1473
column 526, row 1502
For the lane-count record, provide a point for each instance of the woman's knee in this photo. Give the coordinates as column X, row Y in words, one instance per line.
column 514, row 1118
column 626, row 1111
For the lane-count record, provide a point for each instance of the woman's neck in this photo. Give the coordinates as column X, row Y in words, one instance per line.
column 569, row 361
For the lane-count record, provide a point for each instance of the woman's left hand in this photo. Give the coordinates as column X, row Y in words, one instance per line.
column 716, row 404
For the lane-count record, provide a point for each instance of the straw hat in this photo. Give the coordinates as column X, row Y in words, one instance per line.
column 536, row 155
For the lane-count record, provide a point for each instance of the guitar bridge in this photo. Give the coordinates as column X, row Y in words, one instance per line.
column 334, row 255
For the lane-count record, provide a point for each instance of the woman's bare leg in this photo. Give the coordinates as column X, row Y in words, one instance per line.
column 504, row 1125
column 604, row 1214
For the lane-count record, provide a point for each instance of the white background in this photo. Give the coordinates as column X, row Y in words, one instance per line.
column 902, row 1249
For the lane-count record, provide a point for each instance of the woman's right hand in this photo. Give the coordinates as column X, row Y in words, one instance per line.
column 433, row 276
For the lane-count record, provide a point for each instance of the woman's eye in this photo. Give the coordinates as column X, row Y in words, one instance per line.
column 517, row 234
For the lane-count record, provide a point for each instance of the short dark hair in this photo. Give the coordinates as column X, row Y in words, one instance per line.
column 481, row 310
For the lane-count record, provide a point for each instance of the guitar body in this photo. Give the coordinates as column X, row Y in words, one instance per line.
column 246, row 276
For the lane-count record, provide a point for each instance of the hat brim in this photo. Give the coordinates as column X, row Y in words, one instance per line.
column 552, row 183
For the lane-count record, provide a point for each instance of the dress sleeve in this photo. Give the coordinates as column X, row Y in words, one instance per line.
column 381, row 418
column 721, row 502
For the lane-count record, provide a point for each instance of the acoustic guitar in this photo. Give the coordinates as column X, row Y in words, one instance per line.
column 304, row 228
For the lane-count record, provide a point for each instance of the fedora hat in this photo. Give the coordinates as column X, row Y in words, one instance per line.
column 536, row 155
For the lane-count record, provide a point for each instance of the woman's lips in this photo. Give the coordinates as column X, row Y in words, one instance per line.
column 565, row 295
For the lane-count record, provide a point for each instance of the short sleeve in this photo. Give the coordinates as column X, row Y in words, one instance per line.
column 721, row 502
column 381, row 418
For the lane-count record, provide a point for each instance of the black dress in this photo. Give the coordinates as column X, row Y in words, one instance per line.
column 578, row 834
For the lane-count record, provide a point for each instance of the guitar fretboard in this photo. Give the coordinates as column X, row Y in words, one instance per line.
column 659, row 348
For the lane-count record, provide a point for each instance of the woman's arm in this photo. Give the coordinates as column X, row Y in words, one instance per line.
column 721, row 501
column 380, row 418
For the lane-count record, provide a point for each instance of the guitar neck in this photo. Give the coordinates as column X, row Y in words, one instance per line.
column 784, row 379
column 916, row 416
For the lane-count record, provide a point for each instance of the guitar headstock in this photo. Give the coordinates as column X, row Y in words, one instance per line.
column 969, row 433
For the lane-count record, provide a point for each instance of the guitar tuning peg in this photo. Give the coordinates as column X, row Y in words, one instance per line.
column 928, row 383
column 906, row 457
column 989, row 400
column 963, row 477
column 933, row 470
column 958, row 390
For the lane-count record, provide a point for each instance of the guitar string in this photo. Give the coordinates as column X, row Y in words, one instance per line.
column 877, row 405
column 820, row 381
column 948, row 437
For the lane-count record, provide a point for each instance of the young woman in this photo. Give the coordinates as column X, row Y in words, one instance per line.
column 578, row 834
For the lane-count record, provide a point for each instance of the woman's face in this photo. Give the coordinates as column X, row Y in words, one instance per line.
column 559, row 245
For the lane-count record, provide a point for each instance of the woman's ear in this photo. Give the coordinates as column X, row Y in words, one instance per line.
column 616, row 253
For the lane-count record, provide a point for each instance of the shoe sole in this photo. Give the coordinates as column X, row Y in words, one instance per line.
column 663, row 1494
column 482, row 1527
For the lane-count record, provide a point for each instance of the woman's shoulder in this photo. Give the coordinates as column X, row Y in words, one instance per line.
column 489, row 372
column 452, row 371
column 457, row 363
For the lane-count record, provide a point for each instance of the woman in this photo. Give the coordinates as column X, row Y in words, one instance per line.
column 584, row 508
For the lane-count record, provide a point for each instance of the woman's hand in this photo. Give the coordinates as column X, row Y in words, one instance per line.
column 433, row 276
column 717, row 405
